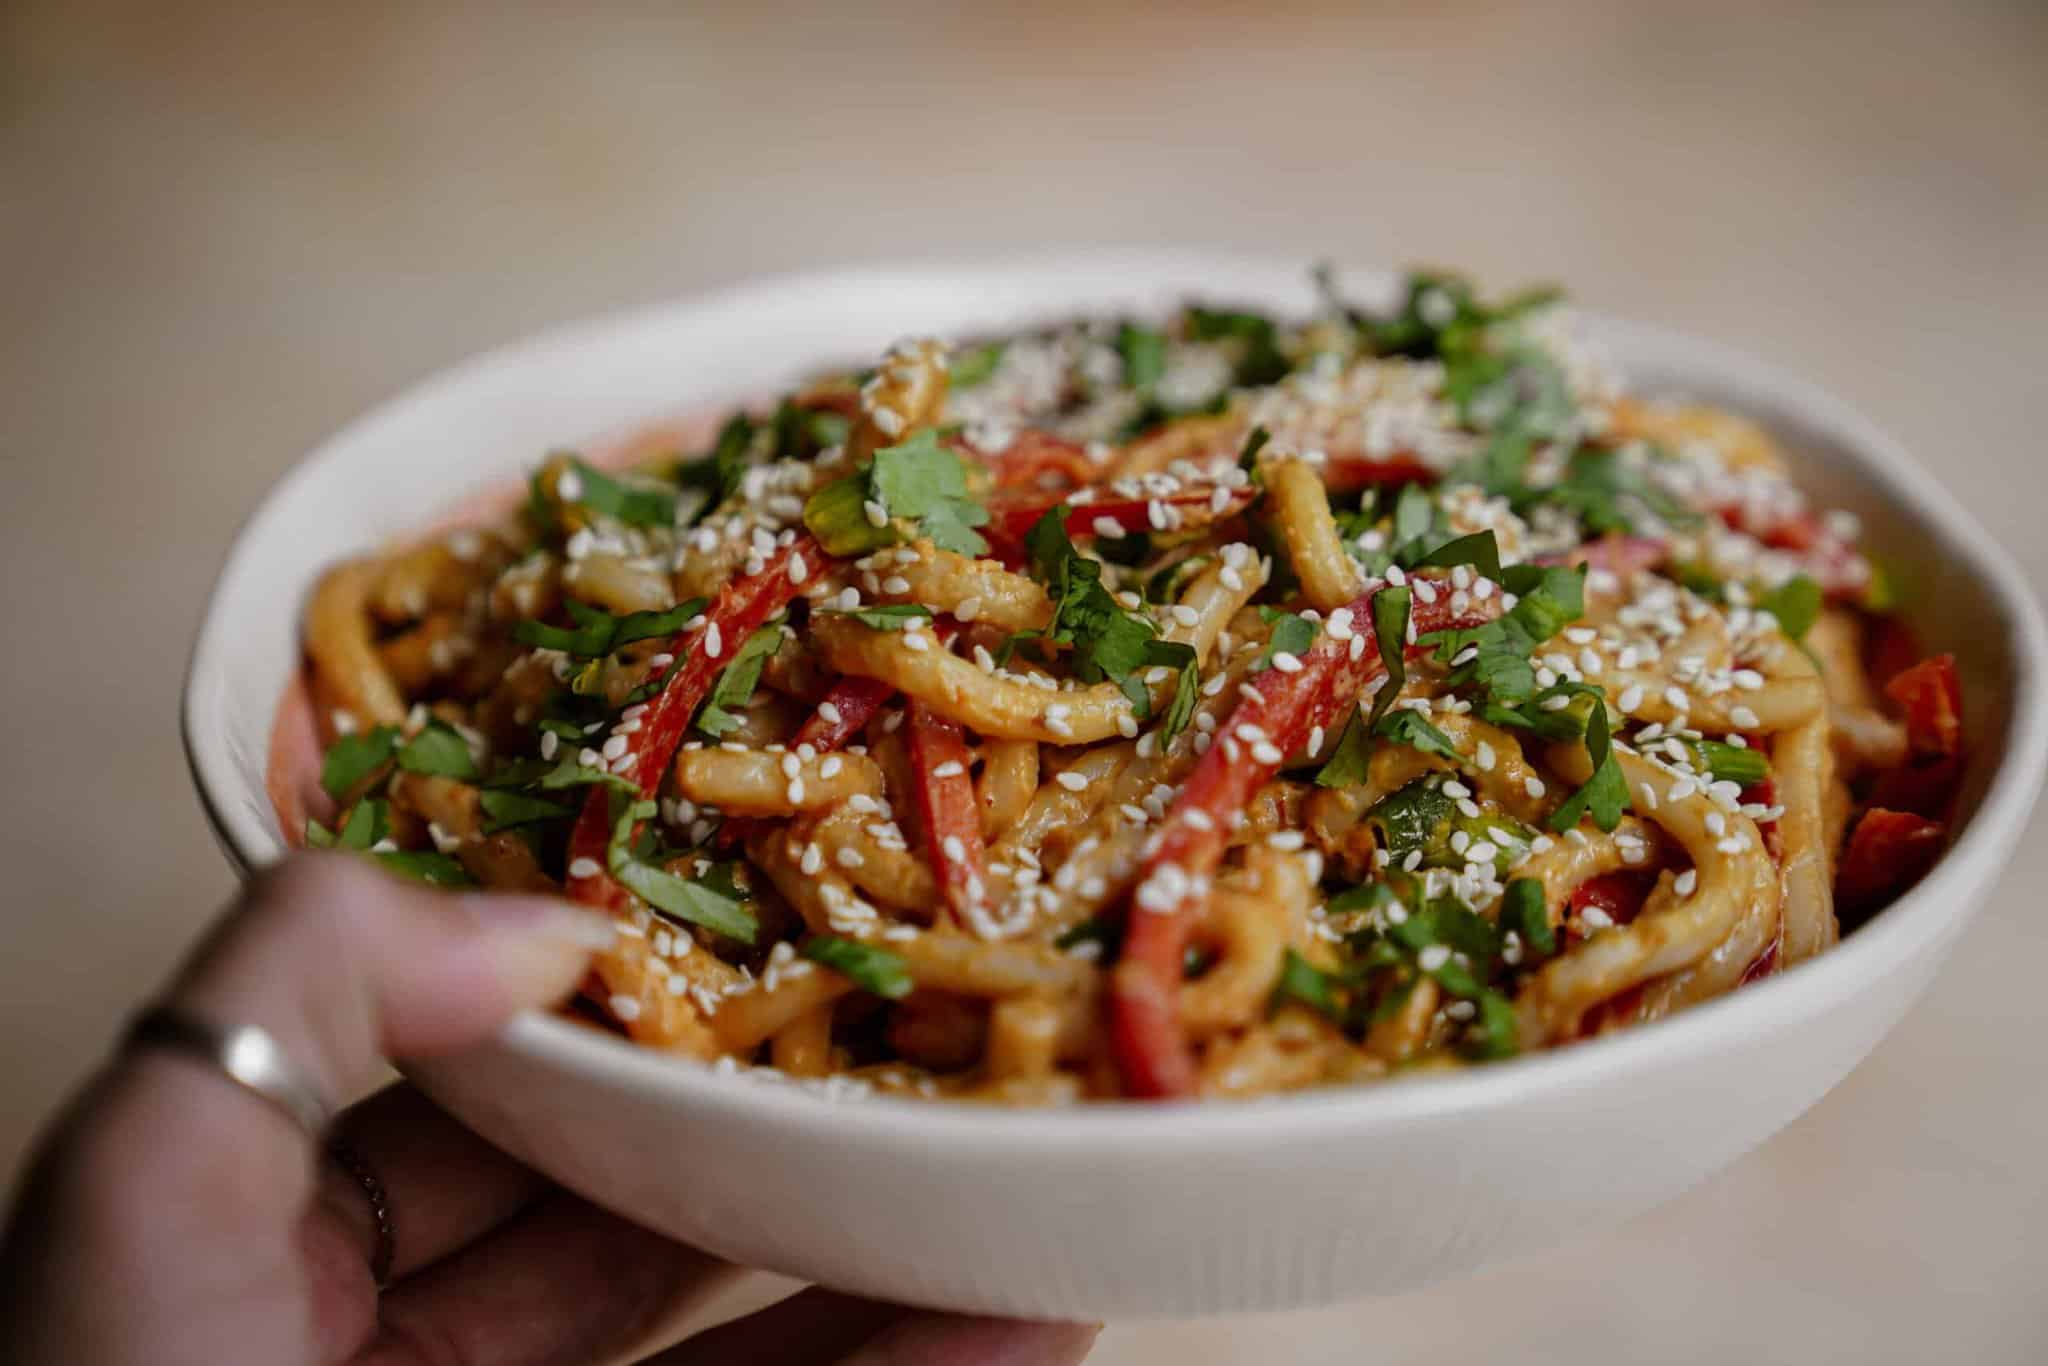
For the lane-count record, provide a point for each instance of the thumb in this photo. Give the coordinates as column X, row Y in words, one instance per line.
column 346, row 965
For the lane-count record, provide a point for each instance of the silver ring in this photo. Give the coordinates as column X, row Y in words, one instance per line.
column 246, row 1054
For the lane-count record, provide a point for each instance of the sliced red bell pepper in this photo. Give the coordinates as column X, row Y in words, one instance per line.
column 1925, row 787
column 1888, row 852
column 939, row 760
column 1618, row 895
column 1891, row 648
column 1348, row 471
column 1031, row 454
column 1151, row 1051
column 740, row 608
column 1931, row 697
column 1011, row 517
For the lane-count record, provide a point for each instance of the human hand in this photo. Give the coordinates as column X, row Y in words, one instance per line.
column 173, row 1216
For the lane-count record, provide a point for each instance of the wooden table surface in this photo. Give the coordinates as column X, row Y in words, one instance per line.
column 227, row 229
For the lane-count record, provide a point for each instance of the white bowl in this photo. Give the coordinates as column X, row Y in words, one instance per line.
column 1124, row 1209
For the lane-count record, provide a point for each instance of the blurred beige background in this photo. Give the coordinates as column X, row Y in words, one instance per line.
column 225, row 230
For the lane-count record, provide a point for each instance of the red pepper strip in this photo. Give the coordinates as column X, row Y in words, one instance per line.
column 1011, row 518
column 1619, row 895
column 1347, row 473
column 1890, row 650
column 1031, row 454
column 1833, row 562
column 1888, row 851
column 740, row 608
column 947, row 809
column 1151, row 1051
column 1932, row 698
column 1926, row 788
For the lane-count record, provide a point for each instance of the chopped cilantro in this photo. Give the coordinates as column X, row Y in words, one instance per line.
column 631, row 503
column 1106, row 641
column 1351, row 760
column 868, row 966
column 352, row 758
column 1406, row 726
column 898, row 616
column 975, row 365
column 737, row 682
column 1144, row 355
column 439, row 751
column 1248, row 457
column 505, row 809
column 916, row 481
column 1302, row 983
column 1480, row 550
column 1795, row 603
column 1605, row 794
column 434, row 869
column 1259, row 358
column 1292, row 635
column 1522, row 911
column 698, row 903
column 597, row 632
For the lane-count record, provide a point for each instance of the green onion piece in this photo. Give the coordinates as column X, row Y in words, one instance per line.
column 1730, row 763
column 867, row 966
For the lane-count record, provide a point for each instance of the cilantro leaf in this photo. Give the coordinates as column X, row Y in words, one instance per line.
column 1795, row 603
column 698, row 903
column 1605, row 794
column 425, row 865
column 632, row 503
column 868, row 966
column 900, row 616
column 1144, row 355
column 1259, row 358
column 504, row 809
column 1302, row 983
column 354, row 757
column 1481, row 550
column 916, row 481
column 975, row 365
column 1292, row 635
column 439, row 751
column 597, row 632
column 1406, row 726
column 1106, row 641
column 1351, row 760
column 1390, row 608
column 737, row 682
column 1522, row 910
column 1248, row 457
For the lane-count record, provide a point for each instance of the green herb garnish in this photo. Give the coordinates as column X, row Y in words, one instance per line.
column 867, row 966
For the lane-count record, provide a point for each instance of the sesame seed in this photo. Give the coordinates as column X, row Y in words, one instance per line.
column 1266, row 752
column 1533, row 786
column 954, row 849
column 795, row 792
column 1071, row 781
column 1685, row 883
column 714, row 643
column 585, row 867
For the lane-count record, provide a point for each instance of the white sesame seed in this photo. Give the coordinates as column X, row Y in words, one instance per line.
column 585, row 867
column 1071, row 781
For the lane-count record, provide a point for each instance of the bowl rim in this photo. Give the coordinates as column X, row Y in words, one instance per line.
column 1923, row 919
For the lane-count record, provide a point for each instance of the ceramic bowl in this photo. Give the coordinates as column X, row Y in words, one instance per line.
column 1122, row 1210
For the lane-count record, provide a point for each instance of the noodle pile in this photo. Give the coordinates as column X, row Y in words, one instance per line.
column 1115, row 709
